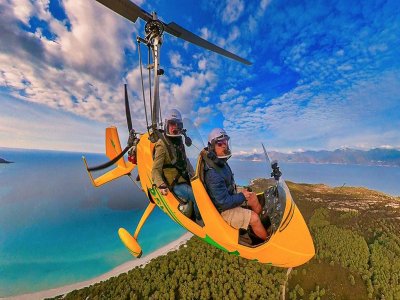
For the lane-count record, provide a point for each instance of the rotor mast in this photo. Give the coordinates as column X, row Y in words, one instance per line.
column 154, row 30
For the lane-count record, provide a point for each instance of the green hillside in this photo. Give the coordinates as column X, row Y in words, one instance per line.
column 357, row 238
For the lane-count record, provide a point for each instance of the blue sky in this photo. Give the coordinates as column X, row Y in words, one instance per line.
column 325, row 74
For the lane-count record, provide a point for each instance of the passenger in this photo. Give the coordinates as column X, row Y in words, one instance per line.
column 221, row 187
column 171, row 168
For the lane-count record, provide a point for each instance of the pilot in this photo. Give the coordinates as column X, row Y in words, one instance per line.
column 221, row 187
column 171, row 168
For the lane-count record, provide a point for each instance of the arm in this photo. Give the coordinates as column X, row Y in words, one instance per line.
column 157, row 171
column 219, row 193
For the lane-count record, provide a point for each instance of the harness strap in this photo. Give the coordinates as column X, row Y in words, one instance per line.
column 168, row 145
column 173, row 165
column 217, row 168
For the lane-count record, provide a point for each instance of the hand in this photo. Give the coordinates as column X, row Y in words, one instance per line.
column 251, row 197
column 163, row 189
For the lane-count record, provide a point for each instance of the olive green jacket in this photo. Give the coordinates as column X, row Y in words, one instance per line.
column 162, row 158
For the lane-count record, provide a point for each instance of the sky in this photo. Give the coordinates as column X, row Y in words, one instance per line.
column 324, row 74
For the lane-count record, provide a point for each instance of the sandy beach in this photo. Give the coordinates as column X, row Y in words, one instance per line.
column 124, row 268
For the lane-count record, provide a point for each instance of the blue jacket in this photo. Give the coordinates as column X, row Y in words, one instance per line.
column 221, row 187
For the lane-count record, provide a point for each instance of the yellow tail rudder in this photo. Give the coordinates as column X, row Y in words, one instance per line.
column 113, row 145
column 113, row 148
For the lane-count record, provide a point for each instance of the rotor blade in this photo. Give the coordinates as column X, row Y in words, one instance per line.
column 127, row 9
column 131, row 11
column 111, row 162
column 266, row 155
column 128, row 111
column 176, row 30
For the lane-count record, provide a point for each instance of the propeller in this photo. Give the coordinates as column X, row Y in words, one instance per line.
column 131, row 139
column 276, row 173
column 127, row 110
column 132, row 12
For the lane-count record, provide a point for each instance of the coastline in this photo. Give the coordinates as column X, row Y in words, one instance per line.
column 124, row 268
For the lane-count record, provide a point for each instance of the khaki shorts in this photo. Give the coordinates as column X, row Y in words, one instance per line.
column 237, row 217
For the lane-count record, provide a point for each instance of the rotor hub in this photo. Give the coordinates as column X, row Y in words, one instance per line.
column 154, row 28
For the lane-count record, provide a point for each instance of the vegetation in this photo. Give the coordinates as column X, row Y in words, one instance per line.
column 356, row 234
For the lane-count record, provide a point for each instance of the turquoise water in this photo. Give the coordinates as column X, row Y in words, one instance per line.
column 57, row 229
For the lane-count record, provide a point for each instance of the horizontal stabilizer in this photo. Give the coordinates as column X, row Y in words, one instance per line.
column 110, row 175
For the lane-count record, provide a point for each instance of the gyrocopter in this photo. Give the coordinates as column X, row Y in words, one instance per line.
column 289, row 243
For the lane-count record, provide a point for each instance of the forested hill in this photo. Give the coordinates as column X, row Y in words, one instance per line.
column 375, row 157
column 3, row 161
column 356, row 234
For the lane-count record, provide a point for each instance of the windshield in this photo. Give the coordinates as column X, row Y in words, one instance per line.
column 197, row 144
column 276, row 196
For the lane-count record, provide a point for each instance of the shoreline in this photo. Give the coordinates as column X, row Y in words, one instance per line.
column 124, row 268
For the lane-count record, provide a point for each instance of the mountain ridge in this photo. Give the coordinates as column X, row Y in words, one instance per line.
column 374, row 157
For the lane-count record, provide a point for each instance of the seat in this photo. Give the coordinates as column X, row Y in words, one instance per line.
column 245, row 237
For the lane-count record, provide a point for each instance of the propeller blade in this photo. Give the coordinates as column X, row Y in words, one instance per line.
column 266, row 155
column 128, row 111
column 111, row 162
column 127, row 9
column 180, row 32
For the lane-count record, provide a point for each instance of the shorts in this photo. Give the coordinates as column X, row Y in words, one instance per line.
column 237, row 217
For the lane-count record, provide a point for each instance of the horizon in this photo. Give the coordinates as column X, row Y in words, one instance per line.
column 240, row 153
column 323, row 76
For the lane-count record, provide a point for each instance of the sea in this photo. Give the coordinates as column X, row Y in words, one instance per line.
column 57, row 229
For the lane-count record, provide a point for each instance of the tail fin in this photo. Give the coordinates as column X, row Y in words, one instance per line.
column 113, row 148
column 113, row 145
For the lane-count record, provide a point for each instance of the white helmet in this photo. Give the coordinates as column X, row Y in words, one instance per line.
column 173, row 118
column 216, row 136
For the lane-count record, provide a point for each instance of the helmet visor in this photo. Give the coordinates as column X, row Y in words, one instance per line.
column 222, row 147
column 174, row 127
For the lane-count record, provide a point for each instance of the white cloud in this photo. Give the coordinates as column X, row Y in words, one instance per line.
column 321, row 77
column 232, row 11
column 309, row 118
column 77, row 73
column 25, row 9
column 191, row 89
column 204, row 114
column 229, row 94
column 202, row 64
column 264, row 4
column 175, row 59
column 40, row 127
column 205, row 33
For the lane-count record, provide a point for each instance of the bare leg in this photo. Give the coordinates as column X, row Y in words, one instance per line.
column 256, row 207
column 257, row 226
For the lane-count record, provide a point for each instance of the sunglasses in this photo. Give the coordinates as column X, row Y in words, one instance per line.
column 175, row 123
column 221, row 142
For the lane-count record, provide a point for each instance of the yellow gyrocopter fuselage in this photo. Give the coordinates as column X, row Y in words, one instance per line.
column 289, row 245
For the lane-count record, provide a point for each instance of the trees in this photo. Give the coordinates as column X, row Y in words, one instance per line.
column 366, row 245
